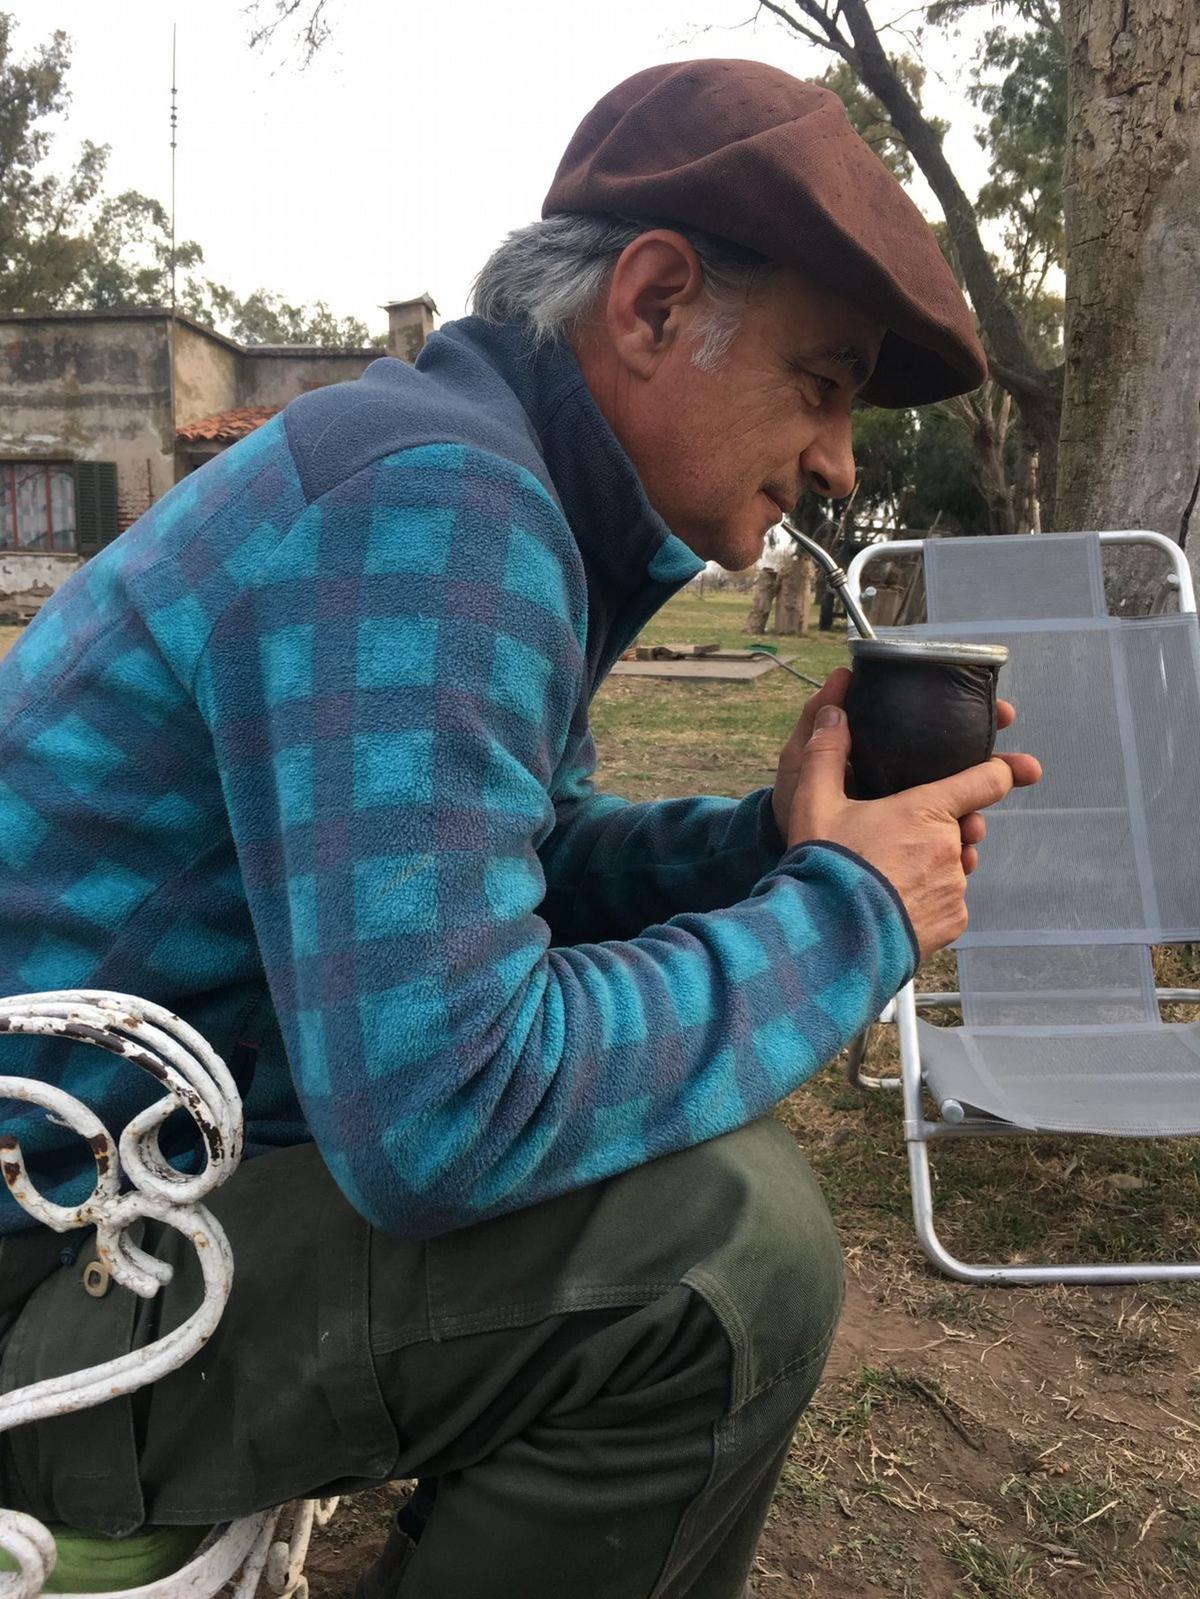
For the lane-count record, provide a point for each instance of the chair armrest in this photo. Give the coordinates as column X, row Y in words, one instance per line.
column 196, row 1081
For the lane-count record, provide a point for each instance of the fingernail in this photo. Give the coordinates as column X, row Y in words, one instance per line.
column 830, row 716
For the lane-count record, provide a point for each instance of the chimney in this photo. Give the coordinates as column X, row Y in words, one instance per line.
column 410, row 322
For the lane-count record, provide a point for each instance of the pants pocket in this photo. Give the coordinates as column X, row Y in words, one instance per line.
column 79, row 1468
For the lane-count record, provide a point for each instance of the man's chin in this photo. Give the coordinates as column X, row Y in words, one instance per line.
column 733, row 549
column 743, row 552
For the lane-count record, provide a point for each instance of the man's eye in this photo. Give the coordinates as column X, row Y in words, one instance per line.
column 818, row 382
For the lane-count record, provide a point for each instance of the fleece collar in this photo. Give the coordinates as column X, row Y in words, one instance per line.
column 632, row 560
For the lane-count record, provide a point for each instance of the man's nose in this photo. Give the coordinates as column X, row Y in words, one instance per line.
column 828, row 462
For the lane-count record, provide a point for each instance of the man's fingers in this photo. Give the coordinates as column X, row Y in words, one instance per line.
column 972, row 790
column 1026, row 769
column 822, row 771
column 831, row 692
column 973, row 828
column 1006, row 713
column 970, row 860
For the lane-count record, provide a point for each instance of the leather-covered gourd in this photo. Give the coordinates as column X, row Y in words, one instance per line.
column 919, row 710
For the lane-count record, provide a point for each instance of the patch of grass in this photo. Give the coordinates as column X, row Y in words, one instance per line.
column 992, row 1570
column 803, row 1487
column 718, row 615
column 1183, row 1546
column 1074, row 1515
column 1175, row 1293
column 884, row 1384
column 1120, row 1350
column 1037, row 1198
column 960, row 1307
column 661, row 738
column 879, row 1559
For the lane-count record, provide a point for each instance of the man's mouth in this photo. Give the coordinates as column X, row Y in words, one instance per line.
column 784, row 505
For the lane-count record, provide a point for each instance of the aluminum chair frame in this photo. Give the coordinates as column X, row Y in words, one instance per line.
column 252, row 1551
column 919, row 1131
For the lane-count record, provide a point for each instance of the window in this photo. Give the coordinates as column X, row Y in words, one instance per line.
column 37, row 506
column 61, row 507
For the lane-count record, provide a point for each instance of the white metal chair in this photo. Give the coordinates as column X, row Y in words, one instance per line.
column 1062, row 1032
column 254, row 1551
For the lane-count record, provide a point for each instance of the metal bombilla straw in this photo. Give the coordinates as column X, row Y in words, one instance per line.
column 835, row 575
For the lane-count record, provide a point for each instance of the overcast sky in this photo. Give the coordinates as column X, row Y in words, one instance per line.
column 417, row 138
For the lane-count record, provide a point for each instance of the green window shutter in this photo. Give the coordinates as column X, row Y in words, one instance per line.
column 95, row 505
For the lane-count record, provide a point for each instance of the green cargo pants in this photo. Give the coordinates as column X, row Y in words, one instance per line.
column 604, row 1386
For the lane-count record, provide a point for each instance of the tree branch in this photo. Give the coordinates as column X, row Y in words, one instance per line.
column 828, row 39
column 992, row 306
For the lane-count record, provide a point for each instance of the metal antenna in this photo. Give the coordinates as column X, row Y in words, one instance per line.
column 174, row 124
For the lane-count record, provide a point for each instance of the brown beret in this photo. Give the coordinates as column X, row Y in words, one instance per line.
column 751, row 154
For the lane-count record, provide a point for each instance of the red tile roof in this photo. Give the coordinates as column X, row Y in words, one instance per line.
column 226, row 426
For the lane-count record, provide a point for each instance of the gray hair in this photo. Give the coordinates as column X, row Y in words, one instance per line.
column 550, row 275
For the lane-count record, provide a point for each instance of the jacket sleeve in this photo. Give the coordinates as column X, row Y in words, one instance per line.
column 613, row 868
column 389, row 701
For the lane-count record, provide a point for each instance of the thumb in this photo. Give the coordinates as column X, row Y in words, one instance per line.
column 822, row 779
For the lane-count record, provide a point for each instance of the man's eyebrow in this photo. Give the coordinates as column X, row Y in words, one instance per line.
column 850, row 356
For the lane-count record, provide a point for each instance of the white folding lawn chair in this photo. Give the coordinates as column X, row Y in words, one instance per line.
column 1079, row 877
column 244, row 1554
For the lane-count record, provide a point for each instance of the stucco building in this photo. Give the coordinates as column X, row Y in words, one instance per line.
column 101, row 412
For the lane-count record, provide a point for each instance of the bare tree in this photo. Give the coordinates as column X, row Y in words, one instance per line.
column 845, row 28
column 1130, row 453
column 986, row 415
column 306, row 20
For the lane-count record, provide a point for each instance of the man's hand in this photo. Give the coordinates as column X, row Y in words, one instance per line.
column 924, row 840
column 833, row 692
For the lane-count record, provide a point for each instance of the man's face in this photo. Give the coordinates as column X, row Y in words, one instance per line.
column 722, row 454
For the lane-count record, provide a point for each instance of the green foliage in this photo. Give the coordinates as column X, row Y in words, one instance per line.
column 885, row 450
column 1021, row 85
column 916, row 467
column 66, row 245
column 39, row 254
column 126, row 259
column 266, row 318
column 945, row 480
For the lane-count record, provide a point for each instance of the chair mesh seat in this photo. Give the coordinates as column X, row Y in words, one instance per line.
column 1080, row 875
column 1083, row 872
column 1134, row 1081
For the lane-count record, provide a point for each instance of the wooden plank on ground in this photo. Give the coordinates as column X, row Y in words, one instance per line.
column 726, row 666
column 672, row 652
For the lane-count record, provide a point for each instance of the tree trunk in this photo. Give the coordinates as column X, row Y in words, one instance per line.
column 1038, row 392
column 1024, row 485
column 1129, row 455
column 986, row 415
column 795, row 595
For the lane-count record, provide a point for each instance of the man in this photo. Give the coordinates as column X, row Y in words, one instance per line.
column 305, row 756
column 766, row 583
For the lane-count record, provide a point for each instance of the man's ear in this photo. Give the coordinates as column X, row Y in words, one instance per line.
column 653, row 295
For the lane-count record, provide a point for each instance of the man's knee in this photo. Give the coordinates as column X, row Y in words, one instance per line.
column 765, row 1255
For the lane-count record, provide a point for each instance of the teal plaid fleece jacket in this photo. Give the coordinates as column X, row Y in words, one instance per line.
column 304, row 755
